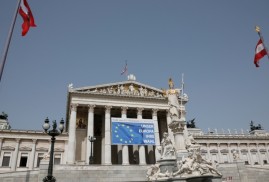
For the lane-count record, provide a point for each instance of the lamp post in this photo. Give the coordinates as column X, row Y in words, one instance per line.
column 53, row 133
column 91, row 139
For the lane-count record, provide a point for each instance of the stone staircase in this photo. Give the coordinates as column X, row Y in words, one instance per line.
column 80, row 173
column 232, row 172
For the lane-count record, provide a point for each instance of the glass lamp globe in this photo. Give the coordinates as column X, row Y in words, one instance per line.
column 61, row 126
column 46, row 125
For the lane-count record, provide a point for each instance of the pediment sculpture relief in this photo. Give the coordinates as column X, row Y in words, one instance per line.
column 127, row 89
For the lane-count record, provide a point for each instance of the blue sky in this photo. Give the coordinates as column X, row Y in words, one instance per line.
column 86, row 43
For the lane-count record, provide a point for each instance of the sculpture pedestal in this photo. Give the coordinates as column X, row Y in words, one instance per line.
column 167, row 165
column 205, row 178
column 180, row 145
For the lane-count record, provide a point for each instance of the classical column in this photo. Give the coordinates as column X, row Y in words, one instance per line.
column 208, row 151
column 259, row 155
column 15, row 155
column 1, row 143
column 141, row 148
column 230, row 154
column 157, row 136
column 267, row 154
column 72, row 135
column 125, row 150
column 107, row 136
column 239, row 151
column 168, row 120
column 249, row 155
column 219, row 154
column 90, row 131
column 32, row 159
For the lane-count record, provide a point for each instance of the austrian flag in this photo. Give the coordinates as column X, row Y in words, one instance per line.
column 27, row 16
column 260, row 52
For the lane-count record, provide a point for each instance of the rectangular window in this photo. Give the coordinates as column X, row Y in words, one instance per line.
column 225, row 158
column 246, row 163
column 6, row 159
column 39, row 158
column 23, row 161
column 264, row 161
column 57, row 159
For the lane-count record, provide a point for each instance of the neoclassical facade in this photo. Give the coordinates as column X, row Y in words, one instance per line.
column 88, row 113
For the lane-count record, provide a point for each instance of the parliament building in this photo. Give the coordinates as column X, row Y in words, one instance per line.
column 88, row 114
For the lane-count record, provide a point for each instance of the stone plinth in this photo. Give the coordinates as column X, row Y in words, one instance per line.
column 180, row 145
column 205, row 178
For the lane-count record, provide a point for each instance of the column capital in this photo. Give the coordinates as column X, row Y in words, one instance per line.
column 108, row 108
column 1, row 139
column 74, row 107
column 154, row 111
column 17, row 140
column 139, row 110
column 207, row 144
column 34, row 141
column 124, row 110
column 91, row 108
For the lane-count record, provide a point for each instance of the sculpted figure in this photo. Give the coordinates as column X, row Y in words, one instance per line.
column 141, row 91
column 235, row 155
column 154, row 173
column 131, row 89
column 167, row 149
column 185, row 166
column 206, row 166
column 173, row 101
column 191, row 143
column 172, row 94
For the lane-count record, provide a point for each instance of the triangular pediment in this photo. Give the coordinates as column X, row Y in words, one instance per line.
column 126, row 88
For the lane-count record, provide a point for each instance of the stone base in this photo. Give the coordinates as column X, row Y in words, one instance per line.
column 205, row 178
column 167, row 165
column 181, row 153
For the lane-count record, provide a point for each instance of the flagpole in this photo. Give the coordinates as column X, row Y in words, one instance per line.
column 182, row 90
column 4, row 57
column 258, row 30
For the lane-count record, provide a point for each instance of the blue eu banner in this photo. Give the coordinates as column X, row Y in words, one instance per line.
column 132, row 133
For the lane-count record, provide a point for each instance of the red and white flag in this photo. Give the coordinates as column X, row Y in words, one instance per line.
column 27, row 16
column 124, row 71
column 260, row 52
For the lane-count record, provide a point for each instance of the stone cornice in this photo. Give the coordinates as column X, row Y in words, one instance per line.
column 238, row 137
column 116, row 83
column 29, row 135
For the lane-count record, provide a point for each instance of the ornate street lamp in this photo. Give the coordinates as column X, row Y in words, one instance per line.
column 91, row 139
column 53, row 133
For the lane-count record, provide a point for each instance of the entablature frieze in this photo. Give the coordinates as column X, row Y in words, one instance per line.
column 29, row 136
column 141, row 108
